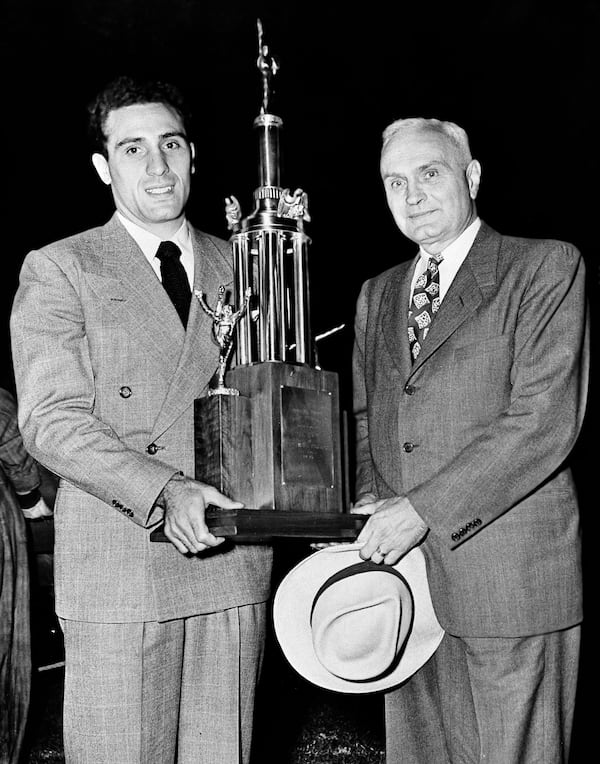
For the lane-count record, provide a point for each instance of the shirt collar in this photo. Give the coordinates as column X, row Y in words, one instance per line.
column 148, row 242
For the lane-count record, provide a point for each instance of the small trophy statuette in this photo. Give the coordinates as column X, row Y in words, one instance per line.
column 225, row 320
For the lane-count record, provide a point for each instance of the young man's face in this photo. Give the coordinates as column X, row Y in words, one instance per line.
column 429, row 191
column 149, row 165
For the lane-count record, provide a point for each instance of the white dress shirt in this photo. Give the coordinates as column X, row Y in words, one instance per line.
column 454, row 256
column 148, row 243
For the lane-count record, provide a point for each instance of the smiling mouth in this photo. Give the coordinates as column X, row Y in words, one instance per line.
column 420, row 214
column 161, row 191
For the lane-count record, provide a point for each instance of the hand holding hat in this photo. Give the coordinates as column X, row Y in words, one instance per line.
column 393, row 528
column 355, row 626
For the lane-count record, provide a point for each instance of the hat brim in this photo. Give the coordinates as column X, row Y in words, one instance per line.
column 292, row 608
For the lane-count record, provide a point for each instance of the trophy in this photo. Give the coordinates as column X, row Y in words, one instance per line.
column 269, row 433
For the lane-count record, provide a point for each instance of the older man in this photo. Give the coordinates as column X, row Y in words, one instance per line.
column 163, row 642
column 470, row 385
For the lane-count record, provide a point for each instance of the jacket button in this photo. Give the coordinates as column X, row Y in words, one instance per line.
column 152, row 448
column 408, row 447
column 125, row 392
column 409, row 389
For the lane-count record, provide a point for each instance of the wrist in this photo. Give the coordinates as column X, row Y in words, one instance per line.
column 169, row 488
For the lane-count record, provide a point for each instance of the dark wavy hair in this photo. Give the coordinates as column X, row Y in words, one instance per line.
column 128, row 91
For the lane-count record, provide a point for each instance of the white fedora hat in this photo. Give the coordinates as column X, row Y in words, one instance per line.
column 355, row 626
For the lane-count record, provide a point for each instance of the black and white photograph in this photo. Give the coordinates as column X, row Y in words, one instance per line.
column 297, row 402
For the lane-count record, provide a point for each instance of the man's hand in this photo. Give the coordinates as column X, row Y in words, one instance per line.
column 184, row 501
column 40, row 509
column 366, row 498
column 393, row 529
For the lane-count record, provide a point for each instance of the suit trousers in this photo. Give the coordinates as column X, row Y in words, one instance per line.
column 158, row 693
column 492, row 700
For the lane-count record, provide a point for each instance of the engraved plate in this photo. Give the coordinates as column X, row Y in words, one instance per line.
column 306, row 437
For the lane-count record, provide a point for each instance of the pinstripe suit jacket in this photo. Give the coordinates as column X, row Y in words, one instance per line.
column 476, row 433
column 103, row 369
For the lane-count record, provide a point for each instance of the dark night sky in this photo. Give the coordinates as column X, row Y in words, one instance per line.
column 519, row 75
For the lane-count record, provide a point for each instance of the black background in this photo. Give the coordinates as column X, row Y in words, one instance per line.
column 521, row 76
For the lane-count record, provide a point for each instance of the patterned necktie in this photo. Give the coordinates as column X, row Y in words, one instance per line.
column 174, row 278
column 424, row 305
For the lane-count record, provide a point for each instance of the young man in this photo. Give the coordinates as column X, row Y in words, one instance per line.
column 163, row 642
column 471, row 367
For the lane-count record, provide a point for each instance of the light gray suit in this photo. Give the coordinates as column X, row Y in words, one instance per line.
column 104, row 369
column 477, row 432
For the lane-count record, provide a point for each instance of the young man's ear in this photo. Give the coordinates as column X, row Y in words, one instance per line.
column 193, row 150
column 101, row 165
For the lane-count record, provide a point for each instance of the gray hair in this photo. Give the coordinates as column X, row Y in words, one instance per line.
column 456, row 134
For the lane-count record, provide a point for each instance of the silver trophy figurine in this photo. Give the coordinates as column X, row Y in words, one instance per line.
column 224, row 323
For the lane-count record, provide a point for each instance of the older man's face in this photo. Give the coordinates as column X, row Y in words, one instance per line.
column 429, row 191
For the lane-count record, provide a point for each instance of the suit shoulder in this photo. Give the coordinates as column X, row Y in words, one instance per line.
column 378, row 282
column 536, row 251
column 214, row 245
column 76, row 245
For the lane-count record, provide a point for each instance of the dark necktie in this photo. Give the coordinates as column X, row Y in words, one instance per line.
column 424, row 305
column 174, row 278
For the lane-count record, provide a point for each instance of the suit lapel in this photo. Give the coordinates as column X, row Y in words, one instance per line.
column 465, row 293
column 199, row 355
column 394, row 316
column 125, row 277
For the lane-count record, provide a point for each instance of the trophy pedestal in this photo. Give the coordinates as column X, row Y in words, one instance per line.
column 276, row 446
column 259, row 526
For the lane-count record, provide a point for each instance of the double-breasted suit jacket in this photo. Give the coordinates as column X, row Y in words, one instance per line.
column 106, row 378
column 477, row 432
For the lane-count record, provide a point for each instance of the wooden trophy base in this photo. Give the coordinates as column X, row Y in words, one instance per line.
column 258, row 526
column 277, row 448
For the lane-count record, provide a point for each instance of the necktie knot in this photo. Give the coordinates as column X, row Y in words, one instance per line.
column 168, row 250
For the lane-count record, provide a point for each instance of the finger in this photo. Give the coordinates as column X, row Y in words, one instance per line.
column 369, row 549
column 365, row 534
column 177, row 542
column 212, row 541
column 190, row 532
column 200, row 536
column 392, row 557
column 218, row 499
column 362, row 509
column 378, row 556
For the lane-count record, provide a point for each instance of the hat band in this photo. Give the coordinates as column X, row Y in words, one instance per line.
column 366, row 566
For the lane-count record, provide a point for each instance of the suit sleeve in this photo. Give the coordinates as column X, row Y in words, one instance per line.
column 365, row 482
column 16, row 463
column 521, row 448
column 56, row 394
